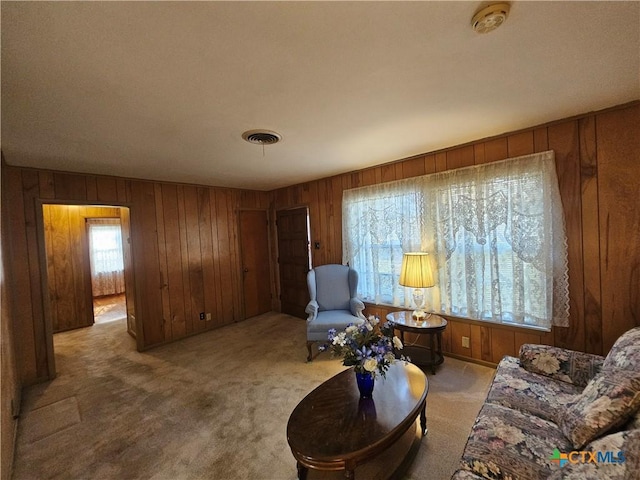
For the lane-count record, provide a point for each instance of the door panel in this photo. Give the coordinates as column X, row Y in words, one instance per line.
column 293, row 260
column 256, row 274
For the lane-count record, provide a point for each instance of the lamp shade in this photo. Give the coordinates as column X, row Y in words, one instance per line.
column 416, row 270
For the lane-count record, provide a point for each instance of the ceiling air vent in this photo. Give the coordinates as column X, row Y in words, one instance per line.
column 262, row 137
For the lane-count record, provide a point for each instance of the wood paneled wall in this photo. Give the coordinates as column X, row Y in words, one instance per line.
column 598, row 165
column 68, row 267
column 11, row 384
column 184, row 244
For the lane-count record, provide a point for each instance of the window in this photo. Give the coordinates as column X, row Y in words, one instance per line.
column 496, row 232
column 105, row 247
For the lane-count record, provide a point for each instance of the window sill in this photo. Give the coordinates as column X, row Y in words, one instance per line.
column 472, row 321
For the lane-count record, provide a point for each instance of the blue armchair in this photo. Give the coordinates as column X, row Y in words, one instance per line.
column 332, row 289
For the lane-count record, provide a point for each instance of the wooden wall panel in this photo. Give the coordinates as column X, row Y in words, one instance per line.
column 10, row 394
column 459, row 330
column 502, row 343
column 30, row 190
column 520, row 144
column 163, row 260
column 564, row 141
column 590, row 235
column 597, row 160
column 618, row 158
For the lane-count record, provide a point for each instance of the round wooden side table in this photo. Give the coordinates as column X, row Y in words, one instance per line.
column 432, row 325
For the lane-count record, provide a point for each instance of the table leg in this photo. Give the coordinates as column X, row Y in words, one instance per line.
column 423, row 419
column 302, row 471
column 349, row 474
column 432, row 353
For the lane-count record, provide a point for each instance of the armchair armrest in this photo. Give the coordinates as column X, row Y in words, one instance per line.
column 357, row 306
column 561, row 364
column 312, row 310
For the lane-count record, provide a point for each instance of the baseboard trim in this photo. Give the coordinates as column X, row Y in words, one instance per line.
column 471, row 360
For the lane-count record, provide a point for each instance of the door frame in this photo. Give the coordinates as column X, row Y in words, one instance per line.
column 44, row 277
column 270, row 222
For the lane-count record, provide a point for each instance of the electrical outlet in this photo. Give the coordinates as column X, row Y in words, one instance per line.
column 465, row 342
column 201, row 315
column 208, row 316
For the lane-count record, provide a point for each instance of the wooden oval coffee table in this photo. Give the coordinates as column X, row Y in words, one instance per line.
column 333, row 429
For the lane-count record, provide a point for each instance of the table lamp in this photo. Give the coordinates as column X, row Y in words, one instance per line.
column 416, row 272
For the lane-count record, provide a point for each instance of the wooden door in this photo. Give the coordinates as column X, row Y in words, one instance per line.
column 68, row 271
column 293, row 260
column 256, row 273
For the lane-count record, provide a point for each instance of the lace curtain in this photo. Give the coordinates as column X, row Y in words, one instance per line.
column 107, row 265
column 496, row 232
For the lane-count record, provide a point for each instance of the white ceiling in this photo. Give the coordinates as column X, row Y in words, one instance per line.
column 164, row 90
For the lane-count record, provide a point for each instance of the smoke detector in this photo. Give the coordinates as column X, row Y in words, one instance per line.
column 489, row 18
column 262, row 137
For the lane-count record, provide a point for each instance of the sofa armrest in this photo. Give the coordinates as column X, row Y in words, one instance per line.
column 568, row 366
column 312, row 310
column 357, row 306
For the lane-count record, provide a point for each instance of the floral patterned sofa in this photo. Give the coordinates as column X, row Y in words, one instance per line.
column 559, row 414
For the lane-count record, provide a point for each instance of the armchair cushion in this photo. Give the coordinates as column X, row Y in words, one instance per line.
column 569, row 366
column 333, row 291
column 338, row 319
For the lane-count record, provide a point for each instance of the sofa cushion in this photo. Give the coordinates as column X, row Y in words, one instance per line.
column 560, row 364
column 617, row 458
column 509, row 444
column 625, row 353
column 608, row 401
column 515, row 387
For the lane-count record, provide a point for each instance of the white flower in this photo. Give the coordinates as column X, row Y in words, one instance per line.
column 370, row 364
column 397, row 343
column 369, row 326
column 351, row 329
column 340, row 339
column 373, row 320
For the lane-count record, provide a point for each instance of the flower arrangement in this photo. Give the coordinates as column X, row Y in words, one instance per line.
column 368, row 347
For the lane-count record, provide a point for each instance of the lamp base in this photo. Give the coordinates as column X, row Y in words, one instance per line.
column 420, row 315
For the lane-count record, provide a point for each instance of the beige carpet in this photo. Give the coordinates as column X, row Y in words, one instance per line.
column 213, row 406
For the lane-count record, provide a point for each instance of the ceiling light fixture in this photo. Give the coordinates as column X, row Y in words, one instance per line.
column 489, row 18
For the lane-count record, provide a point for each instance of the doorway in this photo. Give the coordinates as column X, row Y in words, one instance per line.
column 89, row 276
column 294, row 259
column 106, row 259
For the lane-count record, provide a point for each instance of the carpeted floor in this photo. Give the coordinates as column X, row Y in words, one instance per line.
column 212, row 406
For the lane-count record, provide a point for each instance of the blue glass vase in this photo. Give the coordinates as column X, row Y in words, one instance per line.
column 365, row 384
